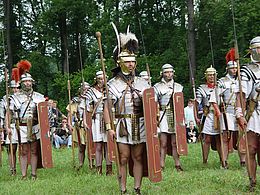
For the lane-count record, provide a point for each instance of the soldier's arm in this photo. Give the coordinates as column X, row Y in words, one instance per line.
column 239, row 110
column 108, row 114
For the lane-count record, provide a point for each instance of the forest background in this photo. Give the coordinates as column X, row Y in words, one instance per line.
column 58, row 38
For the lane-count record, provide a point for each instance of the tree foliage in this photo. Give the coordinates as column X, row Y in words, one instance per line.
column 53, row 33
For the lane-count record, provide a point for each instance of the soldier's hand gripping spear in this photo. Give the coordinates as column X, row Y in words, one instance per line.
column 108, row 116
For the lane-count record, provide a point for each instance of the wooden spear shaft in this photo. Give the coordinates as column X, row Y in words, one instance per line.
column 98, row 35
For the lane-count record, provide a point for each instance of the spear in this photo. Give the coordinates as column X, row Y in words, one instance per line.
column 241, row 98
column 70, row 114
column 146, row 62
column 8, row 108
column 216, row 119
column 192, row 80
column 109, row 101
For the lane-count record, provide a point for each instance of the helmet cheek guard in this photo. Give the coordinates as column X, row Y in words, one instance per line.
column 255, row 49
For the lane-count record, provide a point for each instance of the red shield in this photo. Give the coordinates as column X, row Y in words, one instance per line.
column 181, row 141
column 91, row 147
column 152, row 140
column 46, row 148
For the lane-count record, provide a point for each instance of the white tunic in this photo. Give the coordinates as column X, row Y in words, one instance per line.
column 163, row 91
column 206, row 96
column 131, row 101
column 95, row 97
column 227, row 87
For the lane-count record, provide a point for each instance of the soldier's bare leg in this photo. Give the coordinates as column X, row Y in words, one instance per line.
column 175, row 155
column 218, row 146
column 206, row 147
column 24, row 158
column 252, row 139
column 163, row 146
column 12, row 167
column 99, row 157
column 124, row 153
column 225, row 146
column 136, row 152
column 108, row 162
column 34, row 157
column 242, row 155
column 81, row 154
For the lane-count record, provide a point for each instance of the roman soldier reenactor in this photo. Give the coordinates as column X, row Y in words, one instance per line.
column 14, row 84
column 76, row 110
column 23, row 106
column 249, row 98
column 165, row 91
column 228, row 124
column 95, row 104
column 125, row 91
column 208, row 126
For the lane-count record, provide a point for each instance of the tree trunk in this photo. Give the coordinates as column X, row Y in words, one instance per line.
column 191, row 35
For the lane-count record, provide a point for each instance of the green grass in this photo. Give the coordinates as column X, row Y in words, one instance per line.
column 196, row 178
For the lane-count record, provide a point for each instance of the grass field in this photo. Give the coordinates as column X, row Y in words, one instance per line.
column 196, row 178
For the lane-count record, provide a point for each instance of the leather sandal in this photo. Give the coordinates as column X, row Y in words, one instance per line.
column 34, row 177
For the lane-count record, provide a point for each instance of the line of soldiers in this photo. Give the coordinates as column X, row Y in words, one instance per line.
column 118, row 116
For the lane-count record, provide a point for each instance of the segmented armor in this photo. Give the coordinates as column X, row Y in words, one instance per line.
column 250, row 80
column 95, row 100
column 227, row 88
column 24, row 109
column 128, row 108
column 164, row 93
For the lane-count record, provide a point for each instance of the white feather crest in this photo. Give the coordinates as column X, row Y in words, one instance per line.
column 124, row 38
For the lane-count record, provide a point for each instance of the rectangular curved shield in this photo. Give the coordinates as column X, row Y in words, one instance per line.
column 181, row 141
column 45, row 141
column 152, row 140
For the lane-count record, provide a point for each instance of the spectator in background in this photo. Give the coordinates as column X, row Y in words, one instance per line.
column 189, row 113
column 55, row 117
column 62, row 135
column 192, row 133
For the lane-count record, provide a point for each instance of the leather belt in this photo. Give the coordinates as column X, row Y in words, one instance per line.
column 129, row 115
column 165, row 107
column 23, row 124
